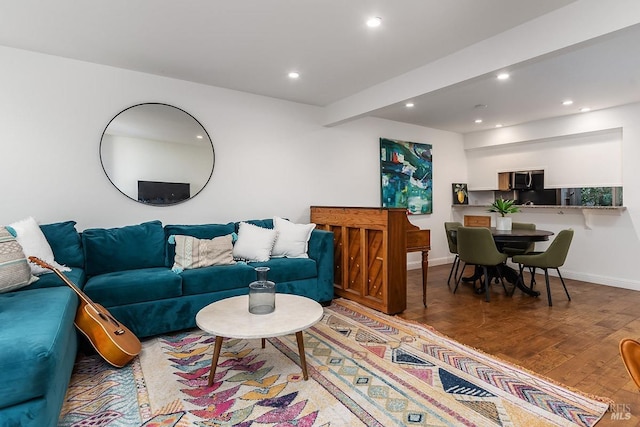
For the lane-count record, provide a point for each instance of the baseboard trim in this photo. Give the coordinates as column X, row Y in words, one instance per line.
column 414, row 265
column 567, row 274
column 600, row 280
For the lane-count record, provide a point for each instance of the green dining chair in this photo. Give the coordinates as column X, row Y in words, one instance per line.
column 520, row 248
column 450, row 228
column 477, row 247
column 553, row 257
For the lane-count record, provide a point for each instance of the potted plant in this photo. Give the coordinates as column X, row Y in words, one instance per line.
column 503, row 207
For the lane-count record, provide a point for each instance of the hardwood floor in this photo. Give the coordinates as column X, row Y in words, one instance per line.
column 574, row 342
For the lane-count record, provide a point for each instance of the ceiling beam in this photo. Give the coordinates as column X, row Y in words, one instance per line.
column 575, row 23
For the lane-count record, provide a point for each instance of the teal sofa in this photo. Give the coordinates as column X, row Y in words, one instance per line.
column 38, row 341
column 128, row 271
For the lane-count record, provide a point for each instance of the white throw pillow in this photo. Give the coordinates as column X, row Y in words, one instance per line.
column 30, row 237
column 292, row 240
column 254, row 243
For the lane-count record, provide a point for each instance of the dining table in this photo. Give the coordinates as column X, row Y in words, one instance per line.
column 503, row 237
column 519, row 235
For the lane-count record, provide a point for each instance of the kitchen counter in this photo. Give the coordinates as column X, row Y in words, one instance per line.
column 587, row 211
column 548, row 207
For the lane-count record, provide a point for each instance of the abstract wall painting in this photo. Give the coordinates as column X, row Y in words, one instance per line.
column 406, row 173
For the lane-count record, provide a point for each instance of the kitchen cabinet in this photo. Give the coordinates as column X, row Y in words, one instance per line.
column 504, row 181
column 477, row 221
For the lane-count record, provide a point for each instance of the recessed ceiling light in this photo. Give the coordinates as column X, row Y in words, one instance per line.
column 199, row 136
column 409, row 104
column 294, row 75
column 478, row 120
column 374, row 22
column 567, row 102
column 503, row 76
column 585, row 109
column 499, row 125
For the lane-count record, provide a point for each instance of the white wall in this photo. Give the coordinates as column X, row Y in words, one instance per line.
column 272, row 157
column 606, row 244
column 592, row 159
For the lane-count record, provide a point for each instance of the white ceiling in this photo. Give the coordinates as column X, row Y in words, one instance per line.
column 251, row 45
column 600, row 74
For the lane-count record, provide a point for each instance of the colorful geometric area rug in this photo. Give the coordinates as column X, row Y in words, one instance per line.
column 365, row 369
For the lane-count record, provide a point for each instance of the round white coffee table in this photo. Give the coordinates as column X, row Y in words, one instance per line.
column 230, row 318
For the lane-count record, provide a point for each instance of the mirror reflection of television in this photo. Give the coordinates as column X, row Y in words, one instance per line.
column 162, row 193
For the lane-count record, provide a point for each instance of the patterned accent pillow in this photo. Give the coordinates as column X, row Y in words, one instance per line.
column 14, row 269
column 196, row 253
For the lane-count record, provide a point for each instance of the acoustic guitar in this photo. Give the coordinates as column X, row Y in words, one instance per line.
column 111, row 339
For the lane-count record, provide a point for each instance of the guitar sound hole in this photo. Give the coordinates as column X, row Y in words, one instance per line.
column 107, row 318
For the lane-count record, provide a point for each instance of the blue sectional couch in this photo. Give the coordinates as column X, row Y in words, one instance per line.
column 128, row 271
column 38, row 342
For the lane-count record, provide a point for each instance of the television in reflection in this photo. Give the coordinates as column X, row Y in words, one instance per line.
column 163, row 193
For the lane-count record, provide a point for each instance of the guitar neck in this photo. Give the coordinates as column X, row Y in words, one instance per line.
column 69, row 283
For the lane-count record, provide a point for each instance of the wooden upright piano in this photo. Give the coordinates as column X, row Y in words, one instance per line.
column 370, row 254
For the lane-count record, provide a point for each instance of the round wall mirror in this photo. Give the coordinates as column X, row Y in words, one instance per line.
column 157, row 154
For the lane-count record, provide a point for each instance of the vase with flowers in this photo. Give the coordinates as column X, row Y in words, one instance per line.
column 504, row 207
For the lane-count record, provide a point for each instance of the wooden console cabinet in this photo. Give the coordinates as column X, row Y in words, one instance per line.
column 370, row 253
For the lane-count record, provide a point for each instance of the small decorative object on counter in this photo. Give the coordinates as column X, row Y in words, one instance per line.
column 460, row 194
column 503, row 207
column 262, row 293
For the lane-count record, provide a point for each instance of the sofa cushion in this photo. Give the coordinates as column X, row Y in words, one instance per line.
column 126, row 248
column 65, row 242
column 76, row 276
column 37, row 327
column 200, row 231
column 264, row 223
column 217, row 278
column 133, row 286
column 289, row 269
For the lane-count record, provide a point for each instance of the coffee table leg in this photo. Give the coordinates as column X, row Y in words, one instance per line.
column 214, row 360
column 303, row 359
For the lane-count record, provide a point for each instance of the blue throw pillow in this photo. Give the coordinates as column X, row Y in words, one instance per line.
column 126, row 248
column 65, row 243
